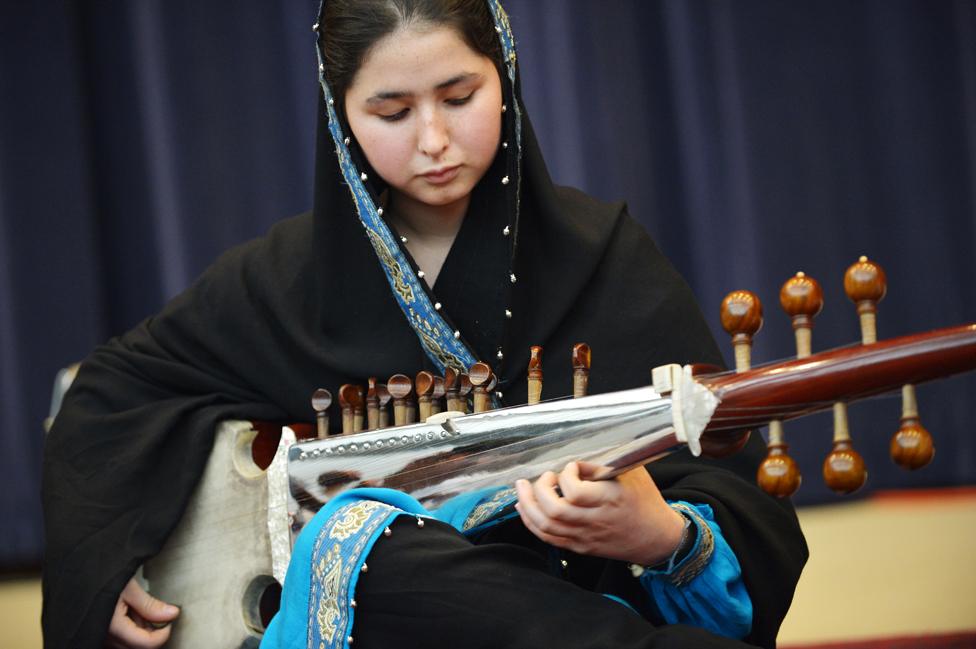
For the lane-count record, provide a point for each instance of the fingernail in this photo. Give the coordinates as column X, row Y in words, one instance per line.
column 159, row 625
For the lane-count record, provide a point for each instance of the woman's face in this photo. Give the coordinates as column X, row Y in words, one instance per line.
column 426, row 110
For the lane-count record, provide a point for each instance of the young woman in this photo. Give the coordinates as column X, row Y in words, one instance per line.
column 436, row 239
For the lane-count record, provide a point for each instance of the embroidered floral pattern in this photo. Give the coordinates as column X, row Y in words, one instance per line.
column 337, row 556
column 484, row 511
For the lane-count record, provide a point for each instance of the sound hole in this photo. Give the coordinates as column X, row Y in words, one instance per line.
column 262, row 598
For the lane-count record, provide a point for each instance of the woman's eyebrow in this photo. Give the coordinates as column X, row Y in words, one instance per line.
column 385, row 95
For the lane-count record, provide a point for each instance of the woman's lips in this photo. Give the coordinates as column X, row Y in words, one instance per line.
column 442, row 175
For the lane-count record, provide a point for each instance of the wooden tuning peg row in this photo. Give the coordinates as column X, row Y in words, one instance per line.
column 535, row 374
column 581, row 369
column 866, row 284
column 400, row 388
column 321, row 400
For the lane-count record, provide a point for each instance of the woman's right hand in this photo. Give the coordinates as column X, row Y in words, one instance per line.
column 140, row 621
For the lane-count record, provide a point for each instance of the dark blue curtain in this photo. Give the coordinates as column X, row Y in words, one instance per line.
column 753, row 139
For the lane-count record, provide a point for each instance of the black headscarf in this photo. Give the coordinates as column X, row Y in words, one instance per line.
column 309, row 306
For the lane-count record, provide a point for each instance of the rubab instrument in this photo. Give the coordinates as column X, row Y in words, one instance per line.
column 224, row 563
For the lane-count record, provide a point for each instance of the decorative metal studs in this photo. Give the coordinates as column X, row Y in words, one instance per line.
column 331, row 101
column 420, row 522
column 457, row 334
column 379, row 210
column 504, row 145
column 437, row 306
column 500, row 355
column 352, row 603
column 420, row 274
column 365, row 568
column 403, row 239
column 499, row 395
column 321, row 67
column 388, row 532
column 315, row 27
column 363, row 176
column 506, row 230
column 508, row 314
column 564, row 563
column 505, row 180
column 349, row 639
column 512, row 277
column 497, row 28
column 504, row 107
column 347, row 141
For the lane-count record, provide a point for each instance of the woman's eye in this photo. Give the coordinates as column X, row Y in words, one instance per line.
column 394, row 117
column 460, row 101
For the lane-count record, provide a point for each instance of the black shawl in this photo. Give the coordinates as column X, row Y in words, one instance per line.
column 308, row 306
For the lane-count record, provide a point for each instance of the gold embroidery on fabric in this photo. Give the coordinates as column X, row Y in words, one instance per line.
column 695, row 565
column 353, row 520
column 480, row 513
column 400, row 284
column 328, row 613
column 443, row 356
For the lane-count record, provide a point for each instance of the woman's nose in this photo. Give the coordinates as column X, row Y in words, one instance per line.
column 433, row 138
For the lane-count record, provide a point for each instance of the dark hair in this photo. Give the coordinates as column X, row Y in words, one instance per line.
column 351, row 27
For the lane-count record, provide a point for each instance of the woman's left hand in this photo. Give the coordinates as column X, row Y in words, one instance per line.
column 624, row 518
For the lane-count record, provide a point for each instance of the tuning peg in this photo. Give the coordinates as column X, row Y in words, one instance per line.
column 351, row 402
column 802, row 299
column 321, row 400
column 581, row 369
column 865, row 284
column 372, row 405
column 424, row 387
column 742, row 317
column 481, row 378
column 383, row 394
column 911, row 447
column 843, row 470
column 400, row 387
column 464, row 388
column 437, row 395
column 778, row 473
column 535, row 374
column 451, row 385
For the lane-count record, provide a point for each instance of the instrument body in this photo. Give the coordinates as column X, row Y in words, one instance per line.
column 233, row 542
column 225, row 561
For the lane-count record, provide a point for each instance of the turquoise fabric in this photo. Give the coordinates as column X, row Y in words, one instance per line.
column 302, row 596
column 715, row 600
column 332, row 548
